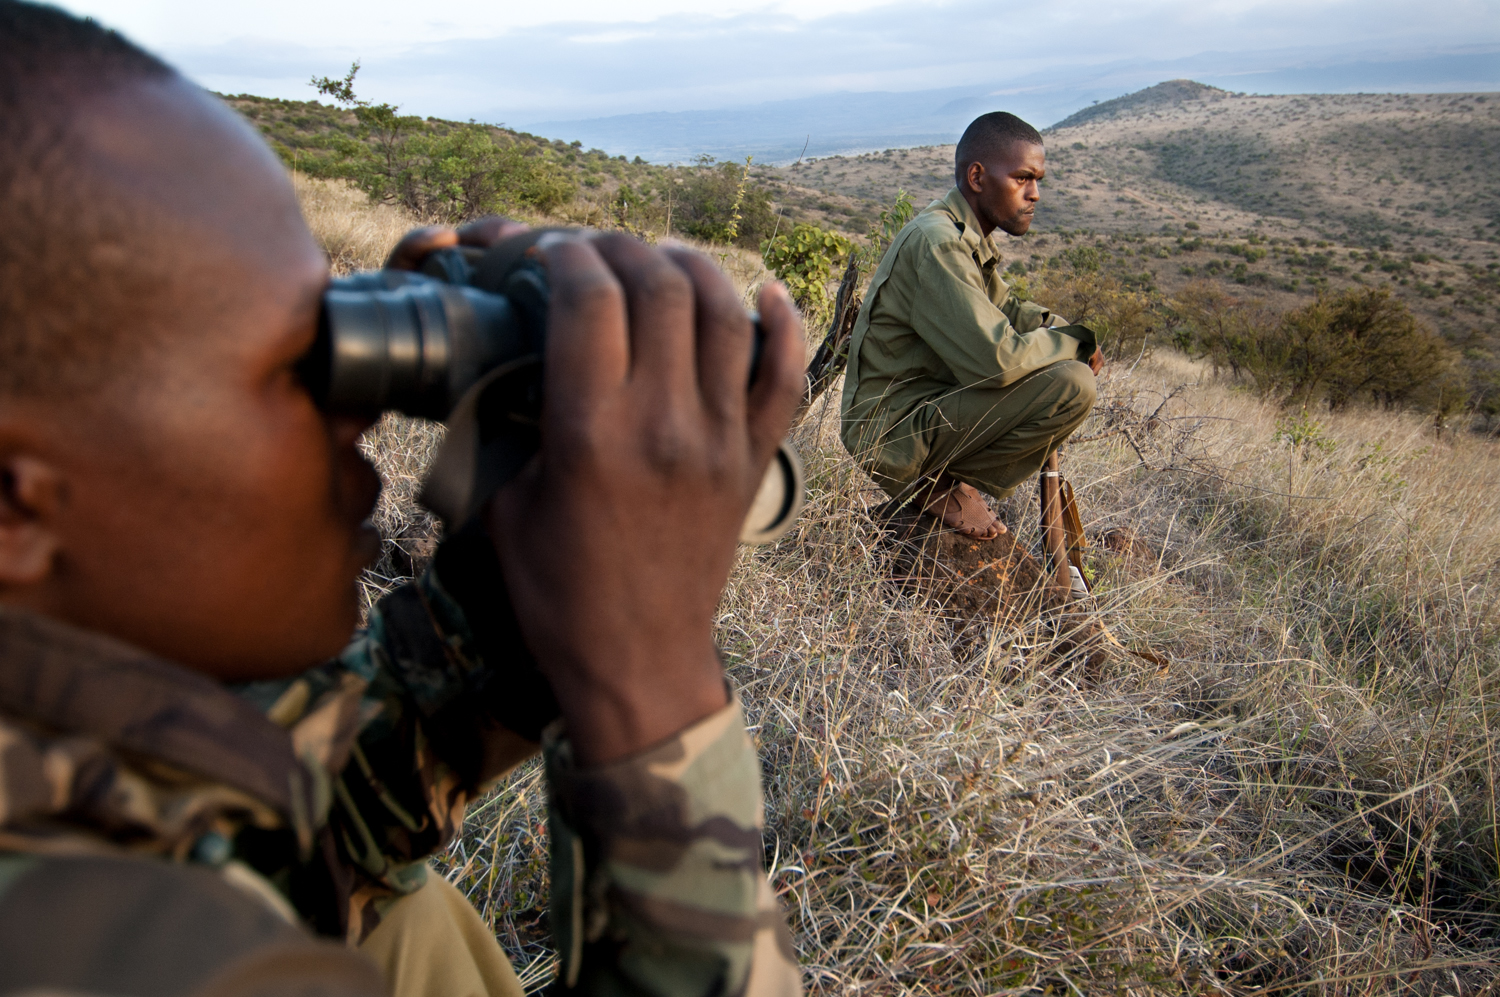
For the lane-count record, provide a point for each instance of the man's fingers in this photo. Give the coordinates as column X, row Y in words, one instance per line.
column 724, row 335
column 780, row 380
column 660, row 298
column 485, row 232
column 416, row 244
column 588, row 349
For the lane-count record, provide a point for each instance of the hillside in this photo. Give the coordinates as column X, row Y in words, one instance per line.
column 1366, row 170
column 608, row 191
column 1297, row 797
column 1276, row 197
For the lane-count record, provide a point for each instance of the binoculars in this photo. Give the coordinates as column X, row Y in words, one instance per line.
column 463, row 341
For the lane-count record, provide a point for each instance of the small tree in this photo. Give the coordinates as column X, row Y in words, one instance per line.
column 1225, row 328
column 1358, row 344
column 379, row 162
column 1078, row 289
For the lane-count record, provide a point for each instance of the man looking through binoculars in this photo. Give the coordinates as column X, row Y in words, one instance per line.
column 198, row 770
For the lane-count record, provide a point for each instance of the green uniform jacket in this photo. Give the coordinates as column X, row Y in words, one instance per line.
column 939, row 318
column 161, row 833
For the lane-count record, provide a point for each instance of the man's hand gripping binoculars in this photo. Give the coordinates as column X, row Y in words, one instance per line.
column 462, row 340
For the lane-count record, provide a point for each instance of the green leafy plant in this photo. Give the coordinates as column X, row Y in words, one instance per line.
column 1303, row 437
column 805, row 260
column 1075, row 285
column 890, row 223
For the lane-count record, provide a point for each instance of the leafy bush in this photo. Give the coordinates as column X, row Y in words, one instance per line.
column 890, row 223
column 719, row 204
column 1221, row 326
column 1361, row 344
column 806, row 259
column 1077, row 288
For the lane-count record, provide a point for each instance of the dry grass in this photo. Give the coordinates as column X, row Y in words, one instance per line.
column 1302, row 801
column 354, row 234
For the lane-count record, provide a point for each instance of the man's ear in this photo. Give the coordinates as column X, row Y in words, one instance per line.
column 975, row 176
column 31, row 499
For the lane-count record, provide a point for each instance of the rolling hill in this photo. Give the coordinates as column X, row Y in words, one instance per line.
column 1280, row 197
column 1368, row 169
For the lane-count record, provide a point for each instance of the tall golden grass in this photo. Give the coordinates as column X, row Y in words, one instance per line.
column 1301, row 801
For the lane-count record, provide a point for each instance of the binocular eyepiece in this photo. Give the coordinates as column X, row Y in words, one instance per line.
column 463, row 342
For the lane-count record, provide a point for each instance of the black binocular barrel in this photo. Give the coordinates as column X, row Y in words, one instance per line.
column 403, row 342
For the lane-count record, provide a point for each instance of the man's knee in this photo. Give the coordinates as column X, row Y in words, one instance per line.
column 1080, row 389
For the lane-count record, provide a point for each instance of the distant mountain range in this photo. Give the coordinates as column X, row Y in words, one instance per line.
column 779, row 131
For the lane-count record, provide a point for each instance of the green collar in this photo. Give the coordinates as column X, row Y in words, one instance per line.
column 982, row 247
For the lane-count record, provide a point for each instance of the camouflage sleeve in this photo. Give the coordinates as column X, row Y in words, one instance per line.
column 657, row 885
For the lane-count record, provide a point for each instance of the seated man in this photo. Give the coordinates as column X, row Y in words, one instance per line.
column 195, row 780
column 954, row 384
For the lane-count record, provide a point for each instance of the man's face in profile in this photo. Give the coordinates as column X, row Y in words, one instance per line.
column 1005, row 185
column 209, row 512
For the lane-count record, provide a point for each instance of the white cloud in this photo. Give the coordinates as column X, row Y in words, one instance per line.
column 518, row 63
column 396, row 23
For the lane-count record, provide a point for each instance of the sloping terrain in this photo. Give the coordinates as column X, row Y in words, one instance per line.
column 1277, row 198
column 1375, row 170
column 1281, row 197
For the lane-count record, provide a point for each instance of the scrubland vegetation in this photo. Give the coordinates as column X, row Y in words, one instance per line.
column 1179, row 208
column 1291, row 490
column 1301, row 800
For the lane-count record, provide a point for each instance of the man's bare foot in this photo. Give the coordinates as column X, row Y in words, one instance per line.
column 962, row 508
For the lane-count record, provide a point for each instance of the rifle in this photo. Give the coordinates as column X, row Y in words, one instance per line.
column 833, row 353
column 1062, row 533
column 1063, row 541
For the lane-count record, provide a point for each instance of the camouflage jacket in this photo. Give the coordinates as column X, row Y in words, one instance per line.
column 323, row 795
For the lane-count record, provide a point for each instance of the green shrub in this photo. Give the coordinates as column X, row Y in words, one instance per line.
column 719, row 204
column 1221, row 326
column 806, row 259
column 1076, row 286
column 1358, row 345
column 890, row 223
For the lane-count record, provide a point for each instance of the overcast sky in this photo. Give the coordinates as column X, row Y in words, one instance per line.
column 517, row 63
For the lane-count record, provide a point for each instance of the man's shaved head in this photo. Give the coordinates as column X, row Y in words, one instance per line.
column 64, row 304
column 988, row 136
column 165, row 476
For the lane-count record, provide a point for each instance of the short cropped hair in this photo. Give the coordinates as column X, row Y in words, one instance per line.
column 58, row 326
column 988, row 135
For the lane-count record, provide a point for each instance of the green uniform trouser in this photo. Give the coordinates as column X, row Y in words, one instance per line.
column 991, row 438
